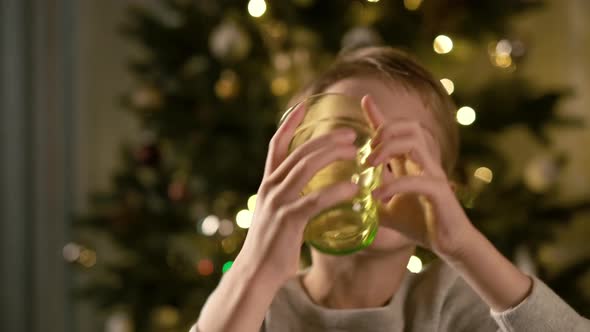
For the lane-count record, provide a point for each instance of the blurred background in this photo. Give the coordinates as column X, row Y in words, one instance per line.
column 133, row 136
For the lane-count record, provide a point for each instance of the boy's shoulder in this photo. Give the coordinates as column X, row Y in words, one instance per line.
column 440, row 291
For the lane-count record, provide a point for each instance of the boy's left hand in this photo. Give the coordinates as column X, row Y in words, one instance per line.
column 418, row 200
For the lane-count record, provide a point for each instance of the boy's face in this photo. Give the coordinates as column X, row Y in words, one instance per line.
column 396, row 103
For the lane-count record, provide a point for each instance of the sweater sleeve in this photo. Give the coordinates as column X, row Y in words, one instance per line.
column 541, row 311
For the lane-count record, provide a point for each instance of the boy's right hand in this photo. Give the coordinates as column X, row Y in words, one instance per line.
column 272, row 247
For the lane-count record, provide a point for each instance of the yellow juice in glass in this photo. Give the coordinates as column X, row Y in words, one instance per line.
column 352, row 225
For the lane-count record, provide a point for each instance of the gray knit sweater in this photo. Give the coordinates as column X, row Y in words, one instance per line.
column 436, row 299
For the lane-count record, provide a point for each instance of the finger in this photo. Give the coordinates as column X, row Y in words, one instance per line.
column 405, row 149
column 341, row 136
column 310, row 205
column 307, row 167
column 374, row 115
column 279, row 144
column 421, row 185
column 399, row 128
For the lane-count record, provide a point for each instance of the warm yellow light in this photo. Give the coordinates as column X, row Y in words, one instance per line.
column 414, row 264
column 466, row 115
column 256, row 8
column 373, row 0
column 442, row 44
column 252, row 202
column 412, row 4
column 228, row 85
column 280, row 86
column 503, row 60
column 244, row 218
column 485, row 174
column 87, row 258
column 448, row 84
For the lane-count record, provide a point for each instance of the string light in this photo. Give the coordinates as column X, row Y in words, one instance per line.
column 442, row 44
column 448, row 84
column 244, row 218
column 256, row 8
column 252, row 202
column 226, row 266
column 412, row 4
column 414, row 265
column 466, row 115
column 484, row 174
column 210, row 225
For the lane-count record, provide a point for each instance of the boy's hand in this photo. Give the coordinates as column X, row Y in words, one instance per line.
column 417, row 198
column 273, row 243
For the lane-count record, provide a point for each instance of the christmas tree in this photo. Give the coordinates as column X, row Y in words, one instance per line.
column 211, row 82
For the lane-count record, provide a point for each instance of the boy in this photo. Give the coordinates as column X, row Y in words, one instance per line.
column 472, row 288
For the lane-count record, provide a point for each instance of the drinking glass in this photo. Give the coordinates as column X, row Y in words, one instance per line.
column 351, row 225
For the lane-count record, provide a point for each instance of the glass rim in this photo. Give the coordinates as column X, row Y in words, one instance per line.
column 315, row 95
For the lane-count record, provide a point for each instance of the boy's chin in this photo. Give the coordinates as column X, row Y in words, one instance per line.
column 388, row 240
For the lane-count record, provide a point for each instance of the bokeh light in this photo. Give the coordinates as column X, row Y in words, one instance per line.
column 412, row 4
column 244, row 218
column 205, row 267
column 71, row 252
column 87, row 258
column 448, row 84
column 280, row 86
column 226, row 266
column 414, row 265
column 256, row 8
column 466, row 115
column 503, row 47
column 210, row 225
column 484, row 174
column 226, row 227
column 502, row 60
column 442, row 44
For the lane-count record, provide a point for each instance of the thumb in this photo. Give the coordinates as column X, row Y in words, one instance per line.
column 372, row 112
